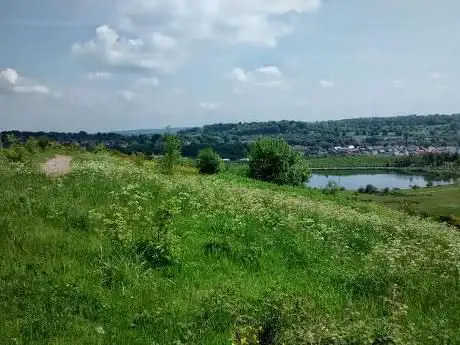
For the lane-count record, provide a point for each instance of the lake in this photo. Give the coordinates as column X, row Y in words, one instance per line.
column 378, row 179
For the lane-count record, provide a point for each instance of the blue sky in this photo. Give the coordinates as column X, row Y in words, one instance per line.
column 125, row 64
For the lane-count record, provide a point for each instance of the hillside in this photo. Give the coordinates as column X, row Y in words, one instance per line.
column 425, row 130
column 404, row 133
column 117, row 253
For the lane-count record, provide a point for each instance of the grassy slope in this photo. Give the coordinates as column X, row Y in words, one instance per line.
column 250, row 261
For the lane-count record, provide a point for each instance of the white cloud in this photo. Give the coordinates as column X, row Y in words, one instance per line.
column 260, row 22
column 151, row 81
column 98, row 75
column 163, row 42
column 210, row 105
column 160, row 34
column 10, row 75
column 239, row 74
column 327, row 84
column 126, row 95
column 109, row 48
column 398, row 84
column 11, row 81
column 270, row 70
column 265, row 76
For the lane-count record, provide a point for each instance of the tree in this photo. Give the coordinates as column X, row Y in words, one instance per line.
column 43, row 143
column 273, row 160
column 11, row 139
column 31, row 145
column 209, row 161
column 171, row 152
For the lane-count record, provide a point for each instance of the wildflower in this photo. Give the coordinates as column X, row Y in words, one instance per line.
column 100, row 330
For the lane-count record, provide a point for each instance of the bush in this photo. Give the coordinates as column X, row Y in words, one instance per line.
column 332, row 188
column 16, row 153
column 172, row 155
column 370, row 189
column 139, row 159
column 154, row 254
column 31, row 145
column 273, row 160
column 98, row 148
column 208, row 162
column 43, row 143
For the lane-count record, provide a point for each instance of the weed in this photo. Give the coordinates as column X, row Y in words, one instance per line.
column 217, row 248
column 77, row 219
column 154, row 254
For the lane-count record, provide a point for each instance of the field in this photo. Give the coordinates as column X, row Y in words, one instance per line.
column 352, row 162
column 117, row 253
column 442, row 203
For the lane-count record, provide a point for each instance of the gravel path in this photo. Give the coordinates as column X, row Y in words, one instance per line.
column 57, row 166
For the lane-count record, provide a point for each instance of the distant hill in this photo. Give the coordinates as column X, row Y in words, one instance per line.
column 152, row 131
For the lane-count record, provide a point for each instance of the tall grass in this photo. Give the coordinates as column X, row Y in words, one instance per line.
column 117, row 253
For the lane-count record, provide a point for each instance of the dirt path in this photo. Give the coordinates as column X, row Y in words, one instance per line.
column 57, row 166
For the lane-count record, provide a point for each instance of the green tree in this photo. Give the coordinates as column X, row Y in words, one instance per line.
column 171, row 152
column 273, row 160
column 11, row 139
column 209, row 162
column 31, row 145
column 43, row 143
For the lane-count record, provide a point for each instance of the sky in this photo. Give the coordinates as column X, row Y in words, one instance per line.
column 102, row 65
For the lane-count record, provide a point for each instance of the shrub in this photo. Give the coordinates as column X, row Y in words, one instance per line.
column 332, row 188
column 154, row 254
column 208, row 162
column 99, row 148
column 76, row 219
column 370, row 189
column 16, row 153
column 273, row 160
column 171, row 151
column 139, row 159
column 43, row 143
column 31, row 145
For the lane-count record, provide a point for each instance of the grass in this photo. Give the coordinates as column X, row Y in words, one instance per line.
column 441, row 203
column 116, row 253
column 351, row 161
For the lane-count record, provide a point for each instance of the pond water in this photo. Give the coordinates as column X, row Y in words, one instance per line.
column 378, row 179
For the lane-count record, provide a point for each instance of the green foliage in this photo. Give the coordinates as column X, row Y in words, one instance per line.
column 16, row 153
column 43, row 143
column 313, row 138
column 117, row 253
column 208, row 161
column 273, row 160
column 154, row 254
column 31, row 145
column 98, row 148
column 171, row 153
column 139, row 159
column 369, row 189
column 332, row 188
column 11, row 139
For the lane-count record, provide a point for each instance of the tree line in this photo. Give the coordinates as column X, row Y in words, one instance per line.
column 232, row 140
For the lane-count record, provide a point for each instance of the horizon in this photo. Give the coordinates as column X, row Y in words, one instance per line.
column 180, row 128
column 120, row 64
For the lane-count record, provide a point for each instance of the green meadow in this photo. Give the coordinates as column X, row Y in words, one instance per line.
column 117, row 253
